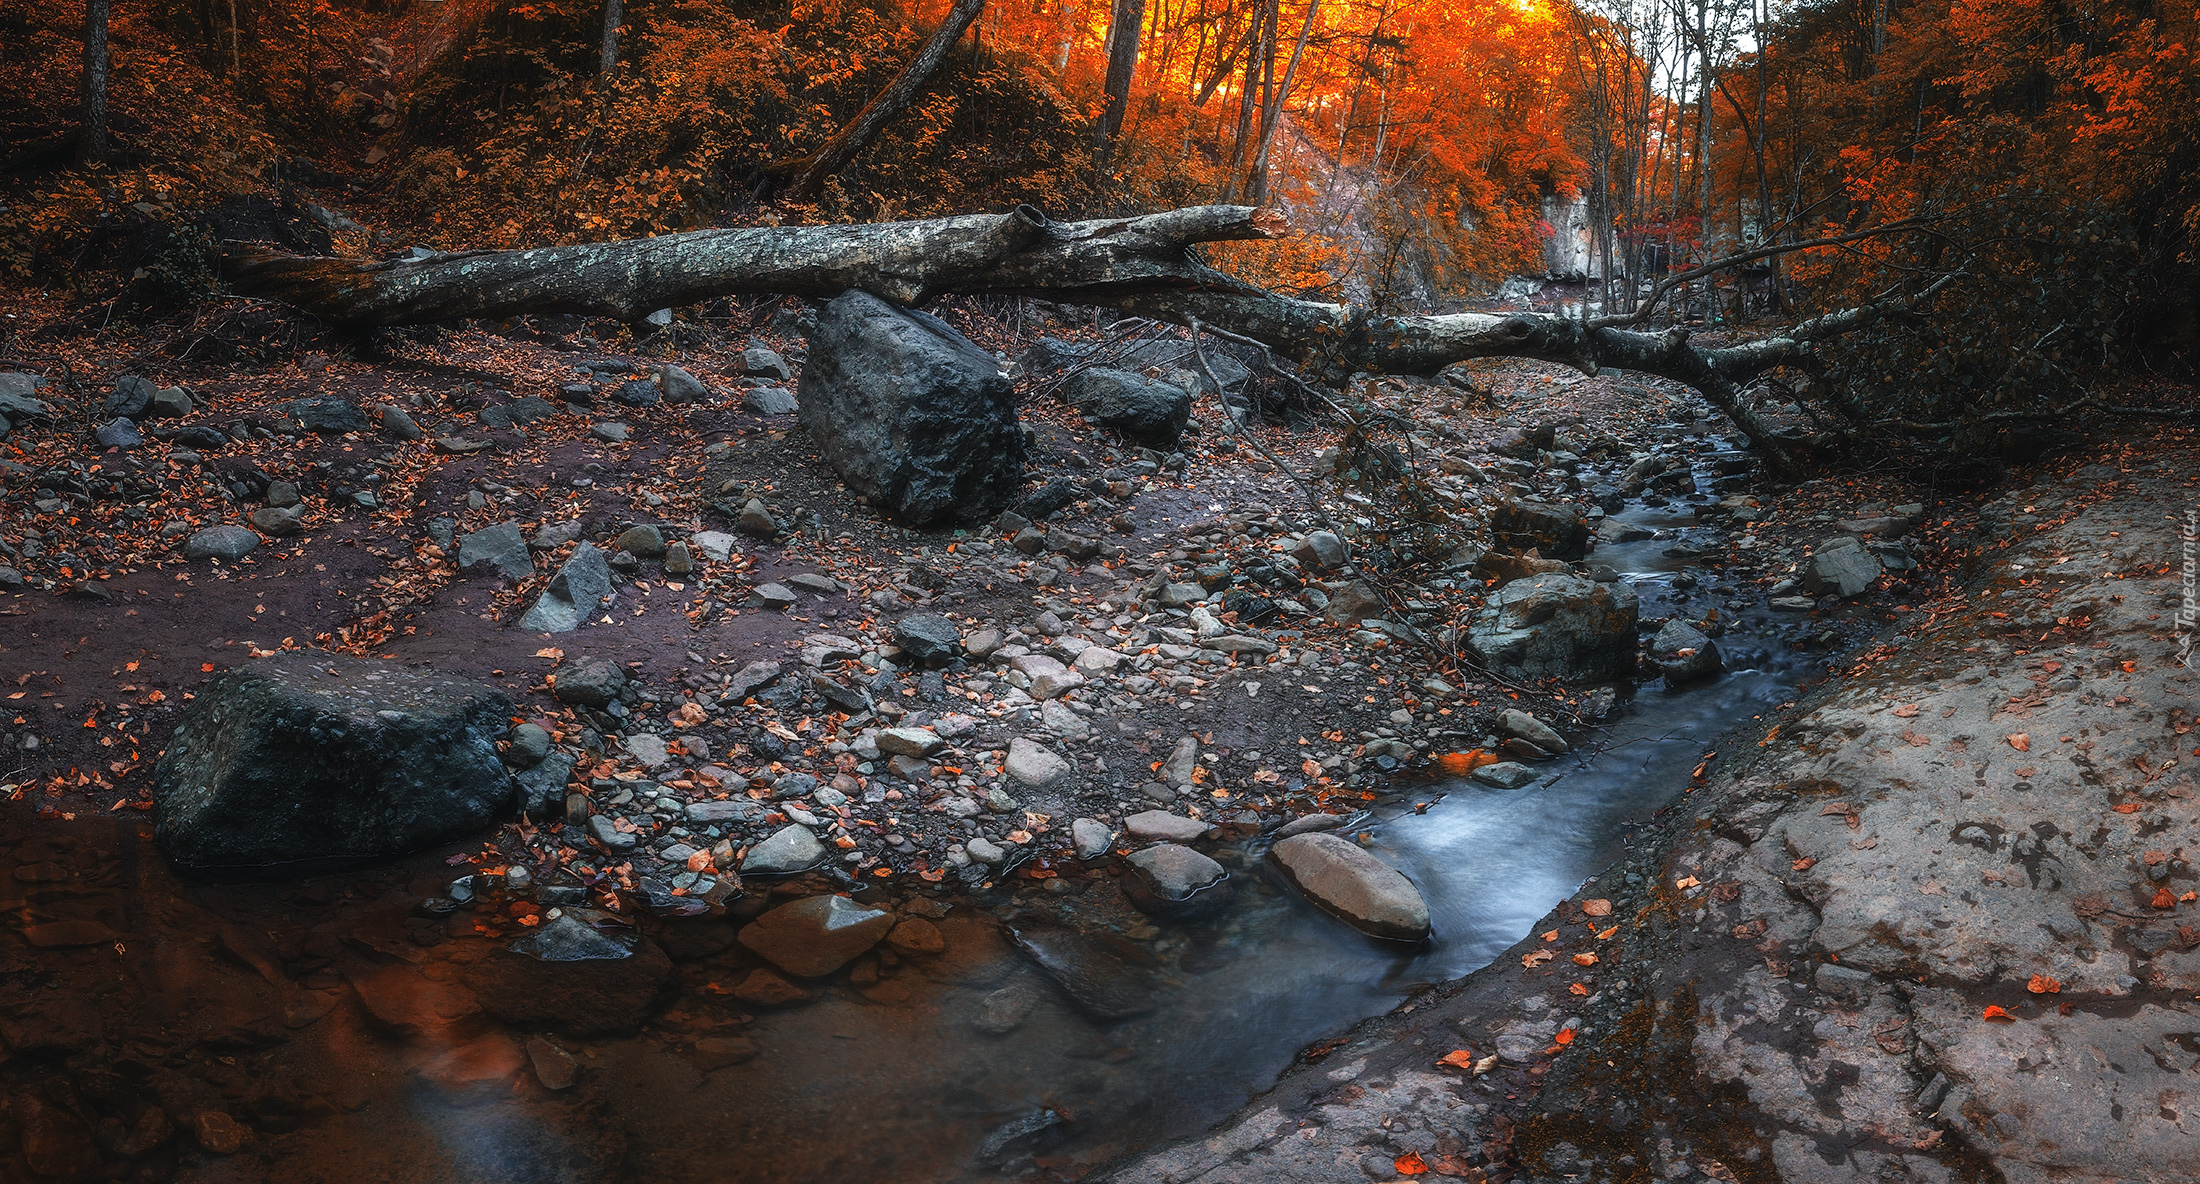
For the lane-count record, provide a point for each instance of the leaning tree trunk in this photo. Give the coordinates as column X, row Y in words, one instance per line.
column 1147, row 265
column 811, row 172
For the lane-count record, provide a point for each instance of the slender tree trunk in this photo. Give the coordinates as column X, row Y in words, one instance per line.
column 1258, row 191
column 94, row 147
column 811, row 172
column 1126, row 25
column 613, row 14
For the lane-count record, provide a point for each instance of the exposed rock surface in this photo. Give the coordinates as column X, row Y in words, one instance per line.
column 910, row 413
column 1141, row 409
column 284, row 766
column 1170, row 880
column 1683, row 654
column 1349, row 883
column 1557, row 626
column 816, row 935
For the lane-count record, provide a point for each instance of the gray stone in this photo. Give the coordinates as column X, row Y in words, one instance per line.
column 397, row 423
column 679, row 386
column 679, row 561
column 1351, row 884
column 130, row 398
column 1035, row 765
column 277, row 521
column 642, row 542
column 1177, row 595
column 909, row 741
column 1353, row 603
column 610, row 433
column 220, row 542
column 910, row 413
column 169, row 402
column 282, row 494
column 575, row 594
column 1169, row 880
column 1519, row 723
column 790, row 849
column 282, row 766
column 118, row 433
column 500, row 547
column 636, row 392
column 605, row 831
column 770, row 400
column 595, row 682
column 1506, row 775
column 1554, row 532
column 985, row 851
column 1322, row 550
column 530, row 743
column 773, row 595
column 1089, row 969
column 927, row 639
column 1558, row 626
column 1683, row 654
column 816, row 935
column 750, row 679
column 1062, row 721
column 1176, row 768
column 1842, row 982
column 1091, row 837
column 716, row 545
column 324, row 414
column 1133, row 406
column 568, row 976
column 542, row 787
column 721, row 813
column 1310, row 823
column 1005, row 1010
column 1162, row 826
column 648, row 749
column 1840, row 567
column 758, row 362
column 813, row 583
column 756, row 519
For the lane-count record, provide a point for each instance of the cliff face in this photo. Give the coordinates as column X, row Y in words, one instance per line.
column 1938, row 926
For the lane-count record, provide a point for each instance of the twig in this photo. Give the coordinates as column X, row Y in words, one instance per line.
column 1313, row 500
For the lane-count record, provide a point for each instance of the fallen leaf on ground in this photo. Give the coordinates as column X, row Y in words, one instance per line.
column 1536, row 958
column 2043, row 985
column 1578, row 989
column 1906, row 711
column 1686, row 882
column 1995, row 1014
column 1585, row 959
column 1410, row 1164
column 1597, row 908
column 2020, row 741
column 1458, row 1058
column 1551, row 936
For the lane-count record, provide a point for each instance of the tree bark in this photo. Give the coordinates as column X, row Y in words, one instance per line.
column 1148, row 265
column 1125, row 24
column 94, row 144
column 613, row 14
column 811, row 172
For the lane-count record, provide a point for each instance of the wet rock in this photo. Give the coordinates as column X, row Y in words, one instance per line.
column 793, row 848
column 1092, row 837
column 765, row 988
column 1506, row 775
column 1553, row 531
column 1557, row 626
column 1683, row 654
column 1840, row 566
column 1534, row 731
column 130, row 398
column 1005, row 1010
column 1137, row 408
column 476, row 1071
column 579, row 589
column 530, row 743
column 1034, row 764
column 915, row 935
column 425, row 1011
column 1162, row 826
column 1099, row 973
column 554, row 1067
column 1351, row 884
column 776, row 596
column 985, row 851
column 1172, row 880
column 1062, row 721
column 296, row 762
column 911, row 414
column 593, row 683
column 1310, row 823
column 570, row 977
column 324, row 414
column 605, row 831
column 816, row 935
column 500, row 548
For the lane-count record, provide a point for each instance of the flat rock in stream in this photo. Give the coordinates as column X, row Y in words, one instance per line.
column 1351, row 884
column 816, row 935
column 1558, row 626
column 1101, row 973
column 302, row 763
column 1169, row 880
column 569, row 977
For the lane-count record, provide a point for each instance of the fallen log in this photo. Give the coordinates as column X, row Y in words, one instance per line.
column 1148, row 265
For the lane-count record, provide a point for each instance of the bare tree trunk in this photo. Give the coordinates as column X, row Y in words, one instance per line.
column 1257, row 192
column 1125, row 27
column 94, row 145
column 613, row 14
column 811, row 172
column 1146, row 265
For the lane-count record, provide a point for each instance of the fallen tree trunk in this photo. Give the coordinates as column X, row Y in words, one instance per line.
column 1148, row 265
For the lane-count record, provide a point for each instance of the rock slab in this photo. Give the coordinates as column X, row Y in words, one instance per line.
column 816, row 935
column 1558, row 625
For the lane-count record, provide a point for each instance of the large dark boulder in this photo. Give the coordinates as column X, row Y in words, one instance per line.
column 1142, row 410
column 1557, row 625
column 910, row 413
column 1552, row 531
column 303, row 763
